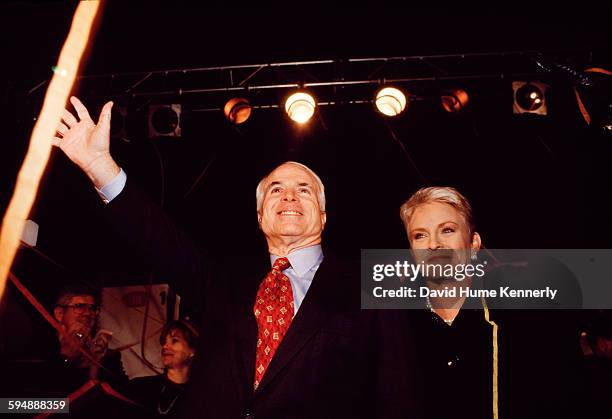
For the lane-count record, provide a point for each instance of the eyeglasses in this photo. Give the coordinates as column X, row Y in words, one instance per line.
column 82, row 307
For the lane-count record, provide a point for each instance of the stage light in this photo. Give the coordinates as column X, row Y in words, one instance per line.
column 455, row 100
column 390, row 101
column 300, row 107
column 164, row 120
column 529, row 97
column 237, row 110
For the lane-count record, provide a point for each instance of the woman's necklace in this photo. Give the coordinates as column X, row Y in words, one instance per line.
column 430, row 307
column 170, row 406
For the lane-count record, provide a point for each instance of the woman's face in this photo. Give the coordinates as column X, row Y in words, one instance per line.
column 435, row 226
column 176, row 352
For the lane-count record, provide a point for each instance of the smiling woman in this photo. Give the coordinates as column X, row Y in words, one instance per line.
column 160, row 393
column 481, row 363
column 441, row 229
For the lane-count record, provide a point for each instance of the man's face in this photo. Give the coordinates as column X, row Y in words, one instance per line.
column 290, row 210
column 77, row 316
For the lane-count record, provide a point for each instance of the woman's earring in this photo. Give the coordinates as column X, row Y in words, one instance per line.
column 474, row 255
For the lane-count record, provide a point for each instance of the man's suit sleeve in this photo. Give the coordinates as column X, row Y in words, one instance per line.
column 142, row 224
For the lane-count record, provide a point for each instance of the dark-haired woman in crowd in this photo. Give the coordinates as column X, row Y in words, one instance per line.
column 161, row 393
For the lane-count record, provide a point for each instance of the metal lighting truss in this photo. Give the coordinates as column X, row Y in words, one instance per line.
column 331, row 81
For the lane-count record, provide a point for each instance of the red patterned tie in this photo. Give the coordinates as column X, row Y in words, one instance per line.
column 273, row 312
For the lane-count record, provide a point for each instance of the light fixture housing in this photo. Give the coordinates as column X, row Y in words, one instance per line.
column 529, row 97
column 300, row 106
column 390, row 101
column 454, row 100
column 237, row 110
column 165, row 120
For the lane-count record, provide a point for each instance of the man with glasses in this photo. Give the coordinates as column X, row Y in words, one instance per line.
column 81, row 352
column 76, row 311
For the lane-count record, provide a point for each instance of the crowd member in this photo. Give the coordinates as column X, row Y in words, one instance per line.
column 81, row 352
column 160, row 393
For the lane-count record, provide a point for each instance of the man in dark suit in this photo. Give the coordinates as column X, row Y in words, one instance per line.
column 292, row 343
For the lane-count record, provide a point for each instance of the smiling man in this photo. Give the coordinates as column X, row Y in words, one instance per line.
column 77, row 315
column 286, row 341
column 76, row 311
column 291, row 214
column 291, row 208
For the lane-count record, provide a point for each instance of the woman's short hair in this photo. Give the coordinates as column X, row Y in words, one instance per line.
column 443, row 194
column 260, row 191
column 190, row 333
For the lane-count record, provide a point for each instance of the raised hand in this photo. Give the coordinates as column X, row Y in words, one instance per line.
column 86, row 143
column 77, row 335
column 98, row 345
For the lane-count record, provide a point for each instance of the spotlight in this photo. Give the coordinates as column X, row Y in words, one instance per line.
column 300, row 107
column 165, row 120
column 455, row 100
column 390, row 101
column 237, row 110
column 529, row 97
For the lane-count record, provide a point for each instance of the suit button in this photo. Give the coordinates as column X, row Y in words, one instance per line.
column 249, row 415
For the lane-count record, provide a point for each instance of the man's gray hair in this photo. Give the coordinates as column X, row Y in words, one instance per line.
column 444, row 194
column 65, row 294
column 260, row 191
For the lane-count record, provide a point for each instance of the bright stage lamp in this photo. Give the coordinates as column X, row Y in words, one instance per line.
column 300, row 107
column 390, row 101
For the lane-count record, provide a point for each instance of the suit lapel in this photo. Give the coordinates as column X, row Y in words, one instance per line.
column 310, row 318
column 245, row 332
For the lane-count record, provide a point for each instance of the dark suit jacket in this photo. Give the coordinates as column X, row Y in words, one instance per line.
column 330, row 363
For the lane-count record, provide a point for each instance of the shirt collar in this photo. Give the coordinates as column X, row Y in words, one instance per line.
column 303, row 260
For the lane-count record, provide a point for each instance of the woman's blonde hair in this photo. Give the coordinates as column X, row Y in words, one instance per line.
column 444, row 194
